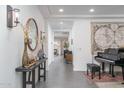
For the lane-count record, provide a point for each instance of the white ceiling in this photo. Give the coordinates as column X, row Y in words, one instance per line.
column 81, row 10
column 65, row 27
column 51, row 12
column 61, row 35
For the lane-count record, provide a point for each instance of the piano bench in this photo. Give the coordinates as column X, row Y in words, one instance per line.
column 93, row 68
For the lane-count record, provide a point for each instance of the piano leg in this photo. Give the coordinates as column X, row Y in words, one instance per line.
column 103, row 67
column 92, row 74
column 110, row 68
column 87, row 71
column 123, row 72
column 99, row 74
column 113, row 71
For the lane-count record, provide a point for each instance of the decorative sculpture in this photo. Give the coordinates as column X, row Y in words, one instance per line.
column 26, row 60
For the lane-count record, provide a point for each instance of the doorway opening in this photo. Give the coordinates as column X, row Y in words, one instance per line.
column 61, row 46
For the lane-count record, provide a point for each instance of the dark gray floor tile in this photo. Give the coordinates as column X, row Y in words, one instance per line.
column 61, row 75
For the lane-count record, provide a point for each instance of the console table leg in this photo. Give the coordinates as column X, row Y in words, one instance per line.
column 29, row 76
column 24, row 79
column 45, row 71
column 39, row 73
column 33, row 78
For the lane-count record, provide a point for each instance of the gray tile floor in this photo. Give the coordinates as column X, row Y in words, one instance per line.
column 61, row 75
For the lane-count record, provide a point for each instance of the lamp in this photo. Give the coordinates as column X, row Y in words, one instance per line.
column 12, row 16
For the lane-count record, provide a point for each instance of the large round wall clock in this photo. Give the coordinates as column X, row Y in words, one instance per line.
column 32, row 29
column 104, row 37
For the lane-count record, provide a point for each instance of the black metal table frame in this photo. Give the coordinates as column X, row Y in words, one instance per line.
column 41, row 65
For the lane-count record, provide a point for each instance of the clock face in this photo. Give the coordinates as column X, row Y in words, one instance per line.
column 104, row 37
column 32, row 34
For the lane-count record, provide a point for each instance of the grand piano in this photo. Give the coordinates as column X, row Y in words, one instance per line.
column 113, row 57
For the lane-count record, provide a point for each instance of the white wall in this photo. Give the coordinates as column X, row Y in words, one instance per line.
column 50, row 41
column 81, row 47
column 12, row 45
column 81, row 35
column 70, row 40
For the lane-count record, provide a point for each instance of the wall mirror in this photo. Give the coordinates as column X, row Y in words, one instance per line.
column 32, row 29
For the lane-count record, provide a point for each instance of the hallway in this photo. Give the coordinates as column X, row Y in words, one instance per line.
column 61, row 75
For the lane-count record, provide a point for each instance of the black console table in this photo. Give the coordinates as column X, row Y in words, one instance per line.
column 41, row 65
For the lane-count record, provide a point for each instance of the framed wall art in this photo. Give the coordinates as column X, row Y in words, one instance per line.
column 106, row 35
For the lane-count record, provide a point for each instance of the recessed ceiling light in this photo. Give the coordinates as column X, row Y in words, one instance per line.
column 61, row 10
column 91, row 10
column 61, row 23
